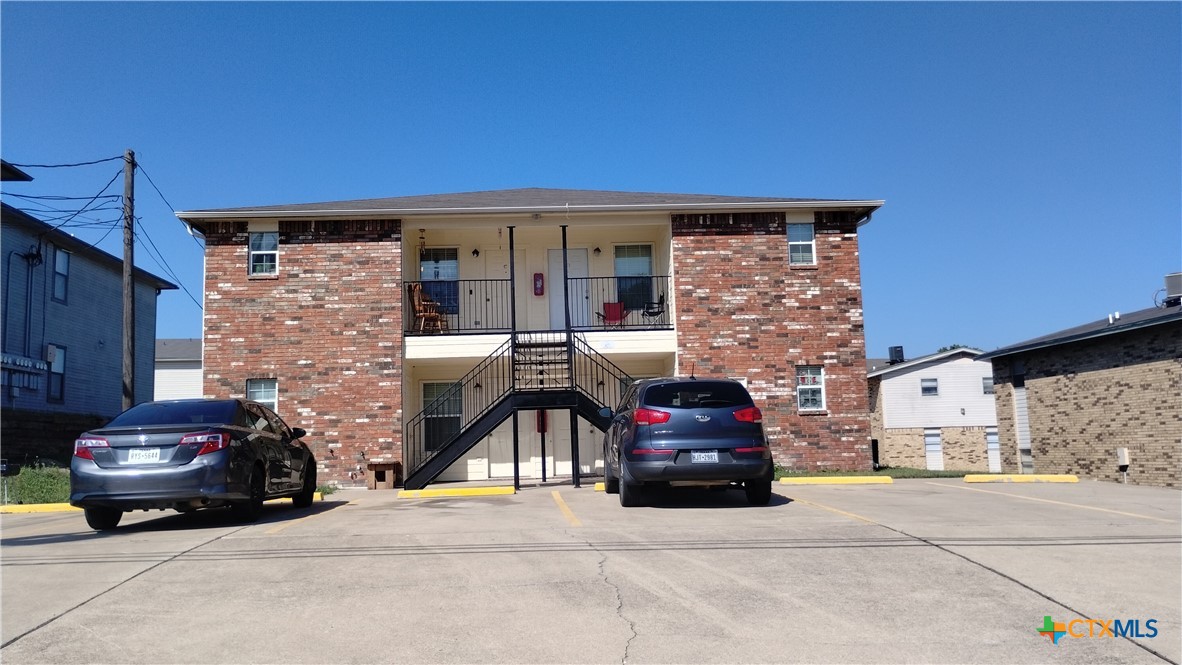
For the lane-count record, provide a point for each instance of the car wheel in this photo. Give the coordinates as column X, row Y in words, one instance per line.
column 759, row 492
column 308, row 492
column 630, row 493
column 103, row 519
column 251, row 509
column 611, row 484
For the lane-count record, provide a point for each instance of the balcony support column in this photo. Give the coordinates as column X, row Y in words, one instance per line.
column 574, row 446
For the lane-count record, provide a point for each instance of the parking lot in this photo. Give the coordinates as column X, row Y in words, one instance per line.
column 921, row 571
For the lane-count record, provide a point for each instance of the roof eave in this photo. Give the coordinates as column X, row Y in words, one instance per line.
column 868, row 206
column 1092, row 334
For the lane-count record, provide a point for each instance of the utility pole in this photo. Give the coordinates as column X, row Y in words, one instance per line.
column 128, row 281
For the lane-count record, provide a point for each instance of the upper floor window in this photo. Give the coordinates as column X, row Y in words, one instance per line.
column 929, row 387
column 57, row 373
column 987, row 385
column 801, row 245
column 263, row 391
column 61, row 273
column 439, row 270
column 264, row 253
column 810, row 388
column 634, row 269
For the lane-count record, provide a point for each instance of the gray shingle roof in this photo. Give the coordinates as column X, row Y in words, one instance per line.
column 178, row 349
column 1131, row 321
column 534, row 198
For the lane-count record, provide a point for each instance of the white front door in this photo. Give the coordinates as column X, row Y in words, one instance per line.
column 933, row 450
column 993, row 449
column 577, row 267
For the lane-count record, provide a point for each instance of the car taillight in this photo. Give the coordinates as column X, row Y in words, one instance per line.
column 751, row 414
column 756, row 449
column 210, row 442
column 84, row 447
column 650, row 417
column 652, row 452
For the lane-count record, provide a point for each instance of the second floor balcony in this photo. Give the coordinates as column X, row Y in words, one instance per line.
column 475, row 306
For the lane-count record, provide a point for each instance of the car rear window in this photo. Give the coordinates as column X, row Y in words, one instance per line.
column 176, row 413
column 709, row 395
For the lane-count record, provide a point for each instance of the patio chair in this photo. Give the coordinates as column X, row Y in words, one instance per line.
column 654, row 312
column 614, row 314
column 427, row 315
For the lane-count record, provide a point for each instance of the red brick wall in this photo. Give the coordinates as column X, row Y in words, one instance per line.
column 743, row 312
column 328, row 328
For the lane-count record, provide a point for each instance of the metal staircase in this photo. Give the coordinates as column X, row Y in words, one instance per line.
column 530, row 371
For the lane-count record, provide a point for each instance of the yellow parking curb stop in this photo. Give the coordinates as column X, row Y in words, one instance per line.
column 455, row 491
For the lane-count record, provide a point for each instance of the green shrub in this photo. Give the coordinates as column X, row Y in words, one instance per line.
column 39, row 484
column 325, row 490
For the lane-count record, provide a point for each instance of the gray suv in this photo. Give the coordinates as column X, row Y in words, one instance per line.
column 686, row 431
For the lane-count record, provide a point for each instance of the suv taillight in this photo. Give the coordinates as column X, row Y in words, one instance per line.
column 650, row 417
column 210, row 442
column 84, row 447
column 751, row 414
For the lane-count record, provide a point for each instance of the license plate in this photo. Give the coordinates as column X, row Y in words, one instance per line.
column 143, row 455
column 704, row 456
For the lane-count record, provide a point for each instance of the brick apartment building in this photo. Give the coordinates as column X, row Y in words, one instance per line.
column 1068, row 401
column 420, row 329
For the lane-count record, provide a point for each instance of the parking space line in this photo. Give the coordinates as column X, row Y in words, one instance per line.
column 835, row 510
column 566, row 511
column 1058, row 503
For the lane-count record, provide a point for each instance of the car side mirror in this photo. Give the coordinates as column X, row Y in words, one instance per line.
column 298, row 432
column 605, row 412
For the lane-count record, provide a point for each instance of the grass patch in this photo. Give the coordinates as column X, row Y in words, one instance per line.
column 325, row 490
column 39, row 484
column 893, row 472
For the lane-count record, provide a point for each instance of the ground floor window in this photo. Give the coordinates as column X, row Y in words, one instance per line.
column 57, row 373
column 264, row 391
column 443, row 406
column 810, row 388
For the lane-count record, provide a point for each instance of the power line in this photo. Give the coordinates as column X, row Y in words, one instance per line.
column 57, row 198
column 164, row 264
column 62, row 166
column 140, row 166
column 92, row 200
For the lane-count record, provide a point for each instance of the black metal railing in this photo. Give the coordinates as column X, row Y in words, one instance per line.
column 468, row 306
column 613, row 303
column 529, row 362
column 465, row 306
column 596, row 376
column 466, row 400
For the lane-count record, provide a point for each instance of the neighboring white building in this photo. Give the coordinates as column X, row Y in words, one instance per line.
column 936, row 412
column 178, row 369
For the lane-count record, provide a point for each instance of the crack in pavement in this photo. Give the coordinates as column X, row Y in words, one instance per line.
column 619, row 603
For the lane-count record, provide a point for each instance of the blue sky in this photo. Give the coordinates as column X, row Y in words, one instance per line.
column 1029, row 154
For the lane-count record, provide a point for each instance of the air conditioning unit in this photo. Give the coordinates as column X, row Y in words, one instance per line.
column 50, row 353
column 1174, row 285
column 895, row 355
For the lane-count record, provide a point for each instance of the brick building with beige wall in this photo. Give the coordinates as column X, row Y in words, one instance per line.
column 1068, row 401
column 417, row 330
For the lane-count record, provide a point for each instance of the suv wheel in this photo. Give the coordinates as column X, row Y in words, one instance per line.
column 103, row 519
column 611, row 484
column 759, row 492
column 630, row 494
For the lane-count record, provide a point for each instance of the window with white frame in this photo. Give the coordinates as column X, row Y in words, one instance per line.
column 801, row 245
column 61, row 274
column 929, row 387
column 264, row 253
column 57, row 373
column 810, row 388
column 634, row 270
column 987, row 385
column 443, row 405
column 264, row 391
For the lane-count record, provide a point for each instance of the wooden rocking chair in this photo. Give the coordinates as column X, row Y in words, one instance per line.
column 428, row 318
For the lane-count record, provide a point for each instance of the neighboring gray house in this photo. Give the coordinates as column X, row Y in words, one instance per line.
column 1067, row 402
column 935, row 412
column 61, row 336
column 178, row 368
